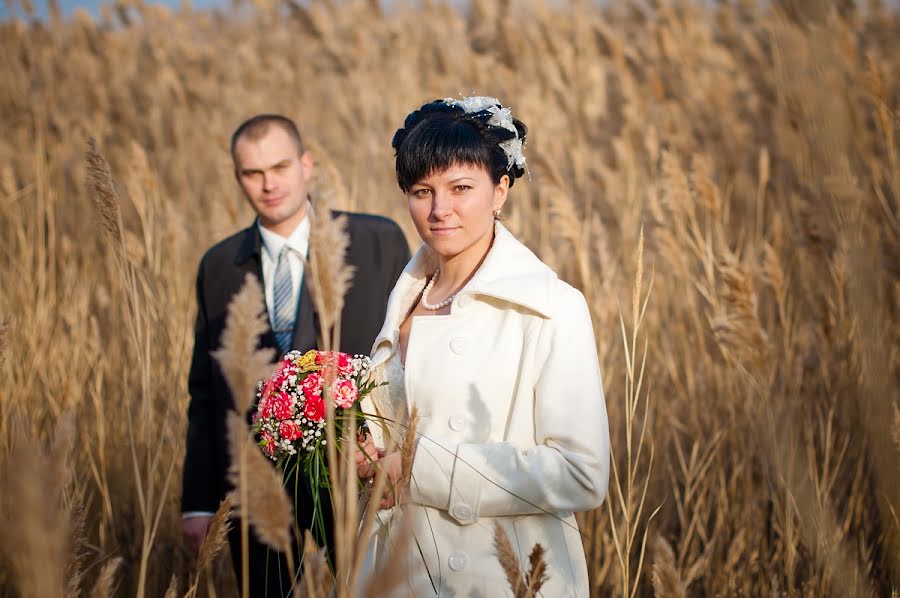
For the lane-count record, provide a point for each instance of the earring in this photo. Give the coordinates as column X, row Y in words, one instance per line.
column 497, row 213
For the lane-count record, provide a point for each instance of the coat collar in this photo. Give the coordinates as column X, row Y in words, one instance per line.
column 510, row 272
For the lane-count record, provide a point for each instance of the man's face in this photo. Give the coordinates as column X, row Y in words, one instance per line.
column 273, row 176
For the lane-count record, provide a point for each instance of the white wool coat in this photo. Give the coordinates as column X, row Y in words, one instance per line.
column 512, row 425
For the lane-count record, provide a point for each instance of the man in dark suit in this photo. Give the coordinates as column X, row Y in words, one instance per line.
column 273, row 170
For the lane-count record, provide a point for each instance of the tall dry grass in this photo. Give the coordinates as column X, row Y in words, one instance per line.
column 757, row 146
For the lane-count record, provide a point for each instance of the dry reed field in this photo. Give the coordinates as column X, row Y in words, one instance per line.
column 721, row 180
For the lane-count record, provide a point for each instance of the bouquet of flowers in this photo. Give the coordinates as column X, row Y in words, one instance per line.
column 290, row 416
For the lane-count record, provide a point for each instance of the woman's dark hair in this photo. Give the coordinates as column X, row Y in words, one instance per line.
column 439, row 135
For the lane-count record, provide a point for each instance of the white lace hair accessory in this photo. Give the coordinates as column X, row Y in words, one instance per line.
column 500, row 117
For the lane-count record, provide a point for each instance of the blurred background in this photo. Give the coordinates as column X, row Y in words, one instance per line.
column 42, row 10
column 720, row 179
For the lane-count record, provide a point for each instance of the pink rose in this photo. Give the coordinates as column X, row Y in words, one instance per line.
column 312, row 384
column 345, row 393
column 282, row 406
column 344, row 366
column 289, row 430
column 314, row 408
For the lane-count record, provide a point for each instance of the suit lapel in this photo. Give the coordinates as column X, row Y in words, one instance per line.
column 249, row 261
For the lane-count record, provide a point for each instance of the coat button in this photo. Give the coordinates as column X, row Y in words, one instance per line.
column 458, row 561
column 458, row 345
column 457, row 423
column 464, row 301
column 462, row 513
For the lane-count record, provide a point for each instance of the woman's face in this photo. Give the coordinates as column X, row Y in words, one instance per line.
column 453, row 210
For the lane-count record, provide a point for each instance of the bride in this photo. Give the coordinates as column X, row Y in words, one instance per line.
column 498, row 355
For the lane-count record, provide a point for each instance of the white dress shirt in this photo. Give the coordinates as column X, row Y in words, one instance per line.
column 272, row 245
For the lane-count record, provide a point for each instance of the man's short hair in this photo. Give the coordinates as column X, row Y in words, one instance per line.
column 256, row 127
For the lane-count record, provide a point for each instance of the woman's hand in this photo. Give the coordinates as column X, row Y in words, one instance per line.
column 370, row 459
column 393, row 493
column 366, row 454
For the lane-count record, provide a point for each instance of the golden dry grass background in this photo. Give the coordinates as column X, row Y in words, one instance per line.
column 756, row 409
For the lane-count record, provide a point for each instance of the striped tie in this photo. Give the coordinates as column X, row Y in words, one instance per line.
column 282, row 306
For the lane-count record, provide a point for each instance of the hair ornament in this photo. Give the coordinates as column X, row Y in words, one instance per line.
column 499, row 117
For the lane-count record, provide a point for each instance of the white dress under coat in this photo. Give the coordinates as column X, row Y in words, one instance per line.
column 512, row 424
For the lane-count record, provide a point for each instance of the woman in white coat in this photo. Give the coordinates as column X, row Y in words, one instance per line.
column 498, row 355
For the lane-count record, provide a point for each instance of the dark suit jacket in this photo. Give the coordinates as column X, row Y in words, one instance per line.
column 378, row 250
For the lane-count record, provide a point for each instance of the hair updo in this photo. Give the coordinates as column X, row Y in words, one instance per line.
column 443, row 133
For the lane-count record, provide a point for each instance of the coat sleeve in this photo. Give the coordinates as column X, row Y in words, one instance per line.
column 568, row 468
column 197, row 486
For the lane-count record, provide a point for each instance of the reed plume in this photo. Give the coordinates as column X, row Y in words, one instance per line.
column 172, row 588
column 524, row 584
column 329, row 274
column 105, row 193
column 315, row 567
column 74, row 572
column 509, row 561
column 251, row 475
column 329, row 279
column 258, row 492
column 70, row 498
column 537, row 570
column 105, row 586
column 215, row 540
column 739, row 327
column 243, row 364
column 667, row 582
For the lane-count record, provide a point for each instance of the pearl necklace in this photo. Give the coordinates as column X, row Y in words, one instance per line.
column 428, row 286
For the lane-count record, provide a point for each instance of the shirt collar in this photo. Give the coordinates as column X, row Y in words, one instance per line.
column 298, row 240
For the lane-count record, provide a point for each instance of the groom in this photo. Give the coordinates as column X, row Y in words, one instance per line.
column 273, row 171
